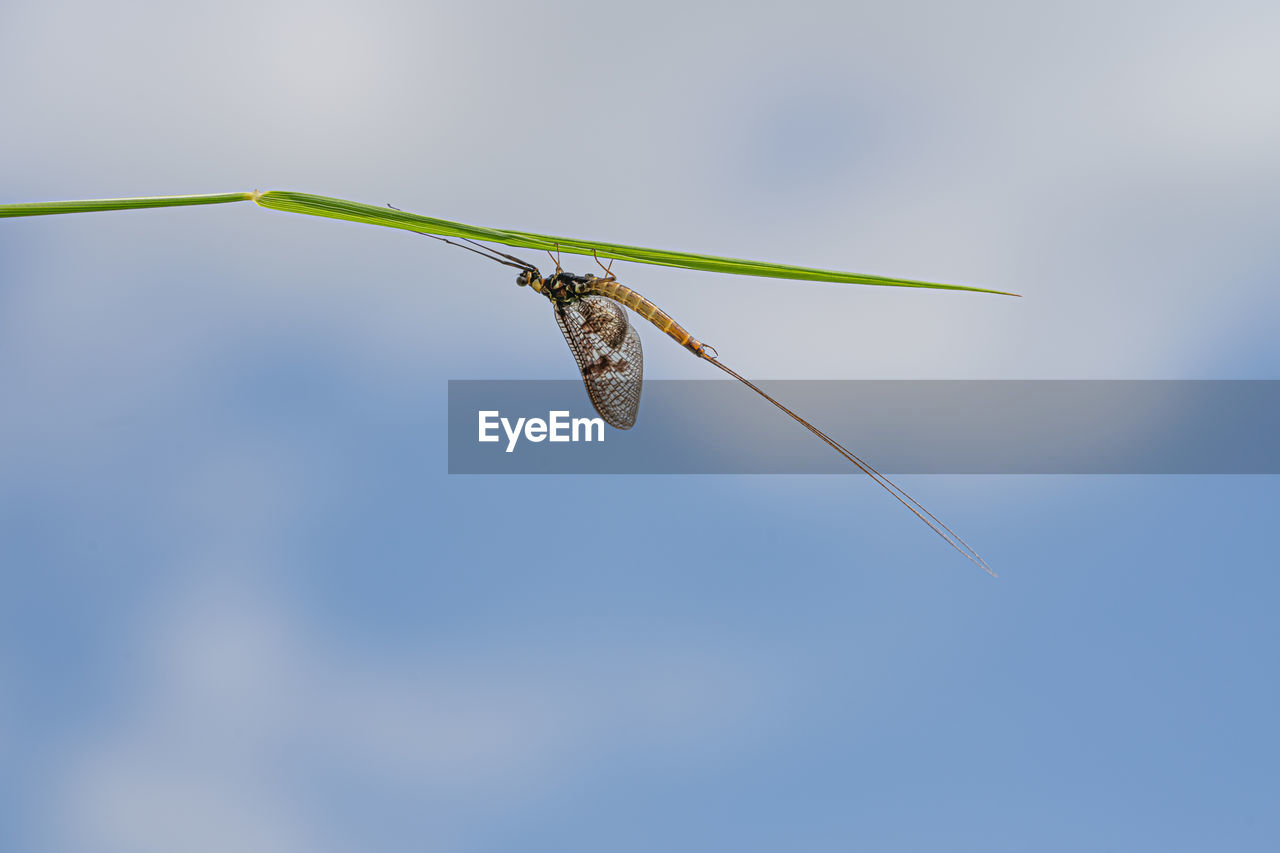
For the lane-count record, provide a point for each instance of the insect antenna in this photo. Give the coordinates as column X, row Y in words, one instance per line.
column 480, row 249
column 948, row 535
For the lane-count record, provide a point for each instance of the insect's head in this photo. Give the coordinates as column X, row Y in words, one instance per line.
column 528, row 277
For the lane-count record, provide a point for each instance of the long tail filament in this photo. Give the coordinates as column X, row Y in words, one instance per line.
column 948, row 535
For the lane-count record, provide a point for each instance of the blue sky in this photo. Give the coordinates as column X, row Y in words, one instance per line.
column 245, row 606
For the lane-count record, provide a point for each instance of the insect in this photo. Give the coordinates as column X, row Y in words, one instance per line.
column 590, row 312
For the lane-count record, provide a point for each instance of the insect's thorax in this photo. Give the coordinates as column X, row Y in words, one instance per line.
column 561, row 287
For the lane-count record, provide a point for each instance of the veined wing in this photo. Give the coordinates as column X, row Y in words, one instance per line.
column 607, row 349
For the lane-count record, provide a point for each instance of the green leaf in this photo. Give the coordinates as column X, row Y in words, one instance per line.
column 43, row 208
column 336, row 208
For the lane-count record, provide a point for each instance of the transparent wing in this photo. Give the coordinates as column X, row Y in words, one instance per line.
column 608, row 353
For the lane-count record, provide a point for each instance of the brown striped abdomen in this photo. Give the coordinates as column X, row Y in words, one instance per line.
column 646, row 309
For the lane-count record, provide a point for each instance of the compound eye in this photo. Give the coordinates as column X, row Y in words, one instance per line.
column 523, row 279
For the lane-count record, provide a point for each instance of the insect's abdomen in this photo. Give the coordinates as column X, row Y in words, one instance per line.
column 646, row 309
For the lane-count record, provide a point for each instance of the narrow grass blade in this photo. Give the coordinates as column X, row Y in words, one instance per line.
column 45, row 208
column 336, row 208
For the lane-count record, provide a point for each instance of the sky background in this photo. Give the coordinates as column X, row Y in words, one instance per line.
column 244, row 607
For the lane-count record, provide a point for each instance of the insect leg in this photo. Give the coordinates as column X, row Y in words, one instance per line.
column 608, row 271
column 556, row 258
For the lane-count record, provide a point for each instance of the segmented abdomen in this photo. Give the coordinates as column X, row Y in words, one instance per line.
column 646, row 309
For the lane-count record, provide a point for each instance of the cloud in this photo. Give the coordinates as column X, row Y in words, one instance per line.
column 240, row 717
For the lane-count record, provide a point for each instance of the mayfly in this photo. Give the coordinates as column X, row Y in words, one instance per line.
column 589, row 311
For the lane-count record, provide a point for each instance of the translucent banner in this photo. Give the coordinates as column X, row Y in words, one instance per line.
column 900, row 427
